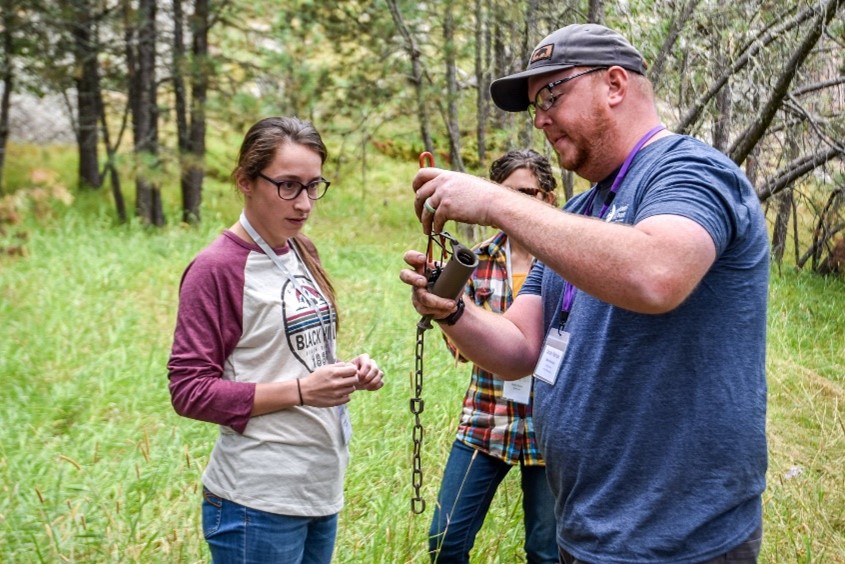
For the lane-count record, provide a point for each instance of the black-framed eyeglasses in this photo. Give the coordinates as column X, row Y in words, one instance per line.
column 545, row 98
column 528, row 191
column 291, row 189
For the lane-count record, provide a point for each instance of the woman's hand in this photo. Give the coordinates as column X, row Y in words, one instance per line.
column 334, row 384
column 370, row 377
column 330, row 385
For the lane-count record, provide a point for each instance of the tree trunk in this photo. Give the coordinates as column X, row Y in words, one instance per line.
column 785, row 202
column 180, row 64
column 452, row 119
column 466, row 232
column 722, row 125
column 501, row 68
column 567, row 178
column 780, row 230
column 191, row 128
column 795, row 169
column 595, row 13
column 816, row 248
column 676, row 25
column 526, row 130
column 192, row 192
column 111, row 151
column 482, row 79
column 8, row 84
column 148, row 205
column 417, row 75
column 88, row 92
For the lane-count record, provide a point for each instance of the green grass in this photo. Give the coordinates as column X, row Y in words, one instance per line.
column 95, row 466
column 805, row 500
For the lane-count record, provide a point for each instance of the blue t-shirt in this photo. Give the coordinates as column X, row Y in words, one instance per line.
column 654, row 431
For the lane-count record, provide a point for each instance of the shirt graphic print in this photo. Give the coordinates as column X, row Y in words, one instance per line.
column 308, row 322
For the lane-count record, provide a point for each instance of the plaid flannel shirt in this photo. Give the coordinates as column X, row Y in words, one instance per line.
column 490, row 423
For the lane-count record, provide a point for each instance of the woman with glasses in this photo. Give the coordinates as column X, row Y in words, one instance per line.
column 254, row 352
column 496, row 430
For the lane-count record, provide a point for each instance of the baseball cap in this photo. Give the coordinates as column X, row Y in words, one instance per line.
column 576, row 45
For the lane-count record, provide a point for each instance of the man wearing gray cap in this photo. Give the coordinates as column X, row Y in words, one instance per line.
column 644, row 323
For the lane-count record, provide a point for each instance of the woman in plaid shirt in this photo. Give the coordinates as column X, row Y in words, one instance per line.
column 496, row 430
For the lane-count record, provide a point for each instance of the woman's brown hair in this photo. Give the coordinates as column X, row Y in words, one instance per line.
column 529, row 159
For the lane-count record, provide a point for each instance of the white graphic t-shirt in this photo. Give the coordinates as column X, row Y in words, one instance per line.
column 291, row 461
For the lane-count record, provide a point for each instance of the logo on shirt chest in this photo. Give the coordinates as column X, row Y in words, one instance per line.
column 309, row 324
column 616, row 215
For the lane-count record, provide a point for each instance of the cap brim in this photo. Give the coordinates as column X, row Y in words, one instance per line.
column 510, row 93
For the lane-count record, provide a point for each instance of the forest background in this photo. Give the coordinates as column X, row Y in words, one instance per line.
column 119, row 125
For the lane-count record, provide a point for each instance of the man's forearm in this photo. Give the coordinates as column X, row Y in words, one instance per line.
column 495, row 342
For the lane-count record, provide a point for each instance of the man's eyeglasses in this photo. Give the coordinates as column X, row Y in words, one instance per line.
column 545, row 98
column 291, row 189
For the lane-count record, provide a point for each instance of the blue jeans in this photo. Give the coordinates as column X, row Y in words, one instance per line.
column 469, row 482
column 239, row 534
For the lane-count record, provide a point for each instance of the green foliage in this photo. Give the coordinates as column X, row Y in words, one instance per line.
column 96, row 466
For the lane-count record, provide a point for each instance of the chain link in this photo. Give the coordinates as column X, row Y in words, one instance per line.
column 417, row 403
column 417, row 407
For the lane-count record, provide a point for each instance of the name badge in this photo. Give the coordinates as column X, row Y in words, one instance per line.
column 518, row 391
column 552, row 356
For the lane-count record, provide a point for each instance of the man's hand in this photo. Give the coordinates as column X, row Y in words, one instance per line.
column 424, row 301
column 456, row 196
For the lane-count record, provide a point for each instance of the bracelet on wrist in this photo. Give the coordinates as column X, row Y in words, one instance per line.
column 453, row 317
column 299, row 391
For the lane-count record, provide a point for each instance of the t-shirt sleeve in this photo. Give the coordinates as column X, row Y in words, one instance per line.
column 701, row 189
column 533, row 282
column 208, row 327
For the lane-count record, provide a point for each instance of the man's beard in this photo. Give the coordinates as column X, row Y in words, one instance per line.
column 589, row 145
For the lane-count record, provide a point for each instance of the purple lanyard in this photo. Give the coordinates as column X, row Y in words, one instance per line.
column 569, row 289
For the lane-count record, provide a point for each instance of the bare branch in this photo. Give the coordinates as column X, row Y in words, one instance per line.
column 753, row 48
column 795, row 170
column 755, row 131
column 793, row 105
column 823, row 232
column 814, row 248
column 815, row 87
column 671, row 38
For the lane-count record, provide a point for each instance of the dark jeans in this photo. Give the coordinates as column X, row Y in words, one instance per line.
column 746, row 553
column 469, row 482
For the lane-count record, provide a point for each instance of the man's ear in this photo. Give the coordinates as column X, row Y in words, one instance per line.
column 617, row 82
